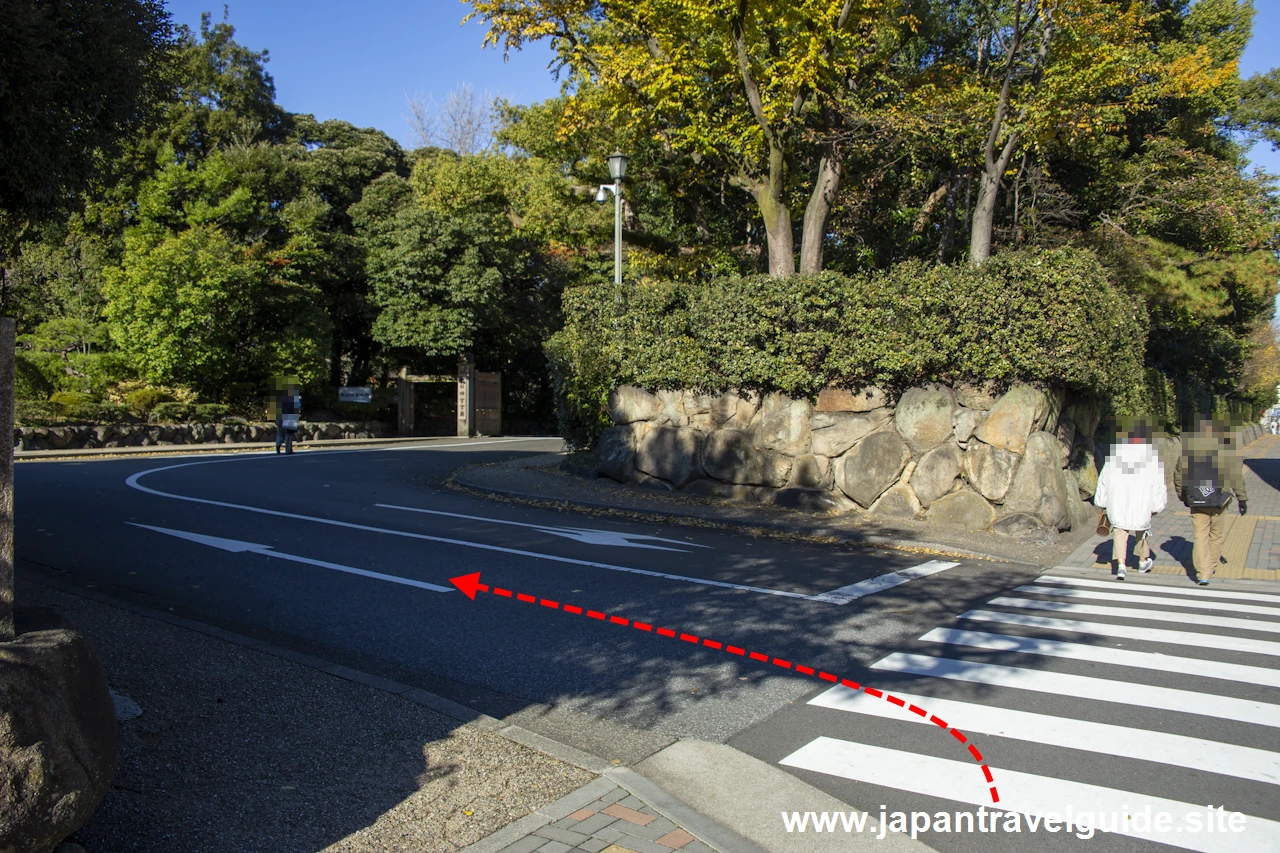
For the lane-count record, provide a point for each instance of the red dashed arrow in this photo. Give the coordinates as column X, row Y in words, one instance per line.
column 470, row 584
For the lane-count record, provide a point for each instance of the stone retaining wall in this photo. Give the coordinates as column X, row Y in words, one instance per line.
column 966, row 456
column 150, row 435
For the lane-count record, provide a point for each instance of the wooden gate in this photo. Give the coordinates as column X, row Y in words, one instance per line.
column 488, row 398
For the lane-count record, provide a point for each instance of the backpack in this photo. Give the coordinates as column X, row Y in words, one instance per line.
column 1204, row 484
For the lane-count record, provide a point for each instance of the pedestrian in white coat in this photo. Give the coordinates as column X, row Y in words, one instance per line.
column 1131, row 489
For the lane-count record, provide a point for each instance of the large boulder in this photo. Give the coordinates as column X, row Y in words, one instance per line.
column 616, row 451
column 843, row 400
column 57, row 738
column 673, row 411
column 1086, row 414
column 60, row 438
column 730, row 455
column 966, row 421
column 784, row 425
column 697, row 411
column 836, row 432
column 734, row 410
column 724, row 491
column 899, row 502
column 1016, row 524
column 936, row 472
column 1066, row 433
column 923, row 417
column 806, row 500
column 990, row 470
column 1080, row 513
column 629, row 404
column 865, row 472
column 1013, row 418
column 810, row 472
column 981, row 397
column 964, row 508
column 671, row 454
column 1038, row 486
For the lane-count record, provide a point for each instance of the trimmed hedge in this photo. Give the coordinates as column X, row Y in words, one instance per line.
column 1048, row 317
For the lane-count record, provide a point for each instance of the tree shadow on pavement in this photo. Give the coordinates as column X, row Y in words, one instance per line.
column 1268, row 470
column 240, row 750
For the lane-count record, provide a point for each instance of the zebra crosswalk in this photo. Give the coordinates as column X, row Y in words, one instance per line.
column 1085, row 699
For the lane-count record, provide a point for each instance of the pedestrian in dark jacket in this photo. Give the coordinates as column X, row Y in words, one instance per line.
column 1208, row 479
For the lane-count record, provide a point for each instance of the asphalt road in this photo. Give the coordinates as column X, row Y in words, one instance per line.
column 198, row 535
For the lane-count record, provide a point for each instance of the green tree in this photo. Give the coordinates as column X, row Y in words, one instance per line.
column 751, row 87
column 1258, row 112
column 195, row 309
column 336, row 164
column 75, row 78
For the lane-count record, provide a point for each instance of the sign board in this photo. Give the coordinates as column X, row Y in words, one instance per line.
column 356, row 394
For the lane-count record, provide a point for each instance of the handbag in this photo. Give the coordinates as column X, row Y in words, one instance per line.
column 1104, row 524
column 289, row 422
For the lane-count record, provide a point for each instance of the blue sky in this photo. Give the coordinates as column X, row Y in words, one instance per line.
column 360, row 61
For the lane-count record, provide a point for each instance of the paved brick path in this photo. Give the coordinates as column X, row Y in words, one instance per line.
column 606, row 818
column 1252, row 546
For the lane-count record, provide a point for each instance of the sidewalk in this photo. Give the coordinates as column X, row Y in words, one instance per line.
column 227, row 742
column 1252, row 547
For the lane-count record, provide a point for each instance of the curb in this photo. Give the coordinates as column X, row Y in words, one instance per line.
column 458, row 480
column 610, row 775
column 211, row 447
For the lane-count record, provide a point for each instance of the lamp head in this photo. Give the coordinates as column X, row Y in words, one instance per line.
column 617, row 165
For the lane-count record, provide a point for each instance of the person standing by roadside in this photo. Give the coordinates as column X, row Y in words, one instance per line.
column 286, row 405
column 1209, row 476
column 1131, row 489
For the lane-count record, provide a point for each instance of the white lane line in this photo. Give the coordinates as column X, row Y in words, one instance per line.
column 1085, row 687
column 826, row 597
column 586, row 535
column 133, row 482
column 1166, row 590
column 1027, row 794
column 1147, row 599
column 1227, row 759
column 854, row 591
column 236, row 546
column 1131, row 632
column 1136, row 613
column 1105, row 654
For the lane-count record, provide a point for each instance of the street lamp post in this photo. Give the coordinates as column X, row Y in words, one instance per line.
column 617, row 171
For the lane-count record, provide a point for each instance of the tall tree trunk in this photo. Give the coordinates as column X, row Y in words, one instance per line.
column 949, row 223
column 984, row 216
column 814, row 233
column 335, row 355
column 770, row 195
column 777, row 226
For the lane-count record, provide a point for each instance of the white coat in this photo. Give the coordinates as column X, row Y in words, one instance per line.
column 1131, row 486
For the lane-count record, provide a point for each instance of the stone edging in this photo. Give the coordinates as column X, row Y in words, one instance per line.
column 674, row 515
column 162, row 435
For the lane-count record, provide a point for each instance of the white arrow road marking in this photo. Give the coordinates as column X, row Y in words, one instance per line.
column 236, row 546
column 585, row 535
column 840, row 596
